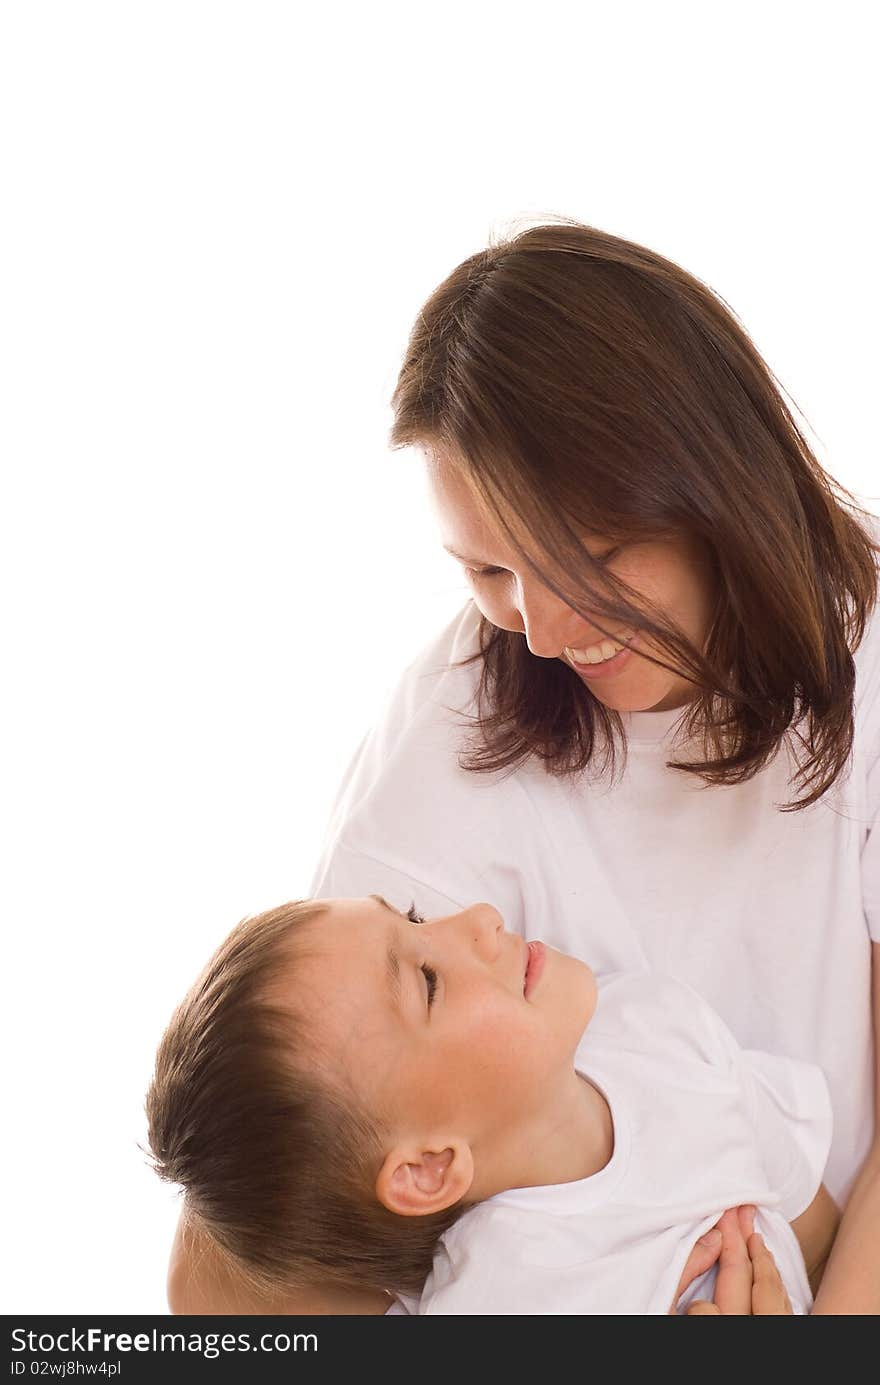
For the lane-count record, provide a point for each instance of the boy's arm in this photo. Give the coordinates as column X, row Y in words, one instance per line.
column 851, row 1283
column 200, row 1281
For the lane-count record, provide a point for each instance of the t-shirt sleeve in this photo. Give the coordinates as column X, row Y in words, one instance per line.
column 345, row 873
column 788, row 1100
column 791, row 1110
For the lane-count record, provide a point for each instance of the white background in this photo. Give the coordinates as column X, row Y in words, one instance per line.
column 219, row 222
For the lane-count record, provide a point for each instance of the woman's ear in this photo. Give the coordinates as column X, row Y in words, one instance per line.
column 414, row 1181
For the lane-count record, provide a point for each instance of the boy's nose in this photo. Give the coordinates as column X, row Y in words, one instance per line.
column 482, row 926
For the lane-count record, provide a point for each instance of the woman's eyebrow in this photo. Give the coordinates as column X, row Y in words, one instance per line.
column 476, row 562
column 463, row 559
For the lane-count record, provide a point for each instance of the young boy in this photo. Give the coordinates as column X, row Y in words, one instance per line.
column 451, row 1114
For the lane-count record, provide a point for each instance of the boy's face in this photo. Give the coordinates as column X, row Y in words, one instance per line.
column 480, row 1060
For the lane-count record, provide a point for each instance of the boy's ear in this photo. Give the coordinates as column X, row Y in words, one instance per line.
column 414, row 1181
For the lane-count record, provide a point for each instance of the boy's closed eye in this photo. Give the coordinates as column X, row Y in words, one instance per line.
column 428, row 971
column 430, row 976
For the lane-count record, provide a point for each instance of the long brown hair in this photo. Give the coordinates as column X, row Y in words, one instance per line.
column 278, row 1163
column 580, row 382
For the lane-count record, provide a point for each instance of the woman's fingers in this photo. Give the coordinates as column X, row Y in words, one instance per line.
column 746, row 1220
column 769, row 1296
column 701, row 1258
column 748, row 1281
column 733, row 1286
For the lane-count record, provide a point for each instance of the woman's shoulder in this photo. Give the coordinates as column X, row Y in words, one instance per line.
column 404, row 796
column 433, row 682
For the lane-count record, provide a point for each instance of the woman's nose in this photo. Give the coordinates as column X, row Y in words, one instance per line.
column 547, row 622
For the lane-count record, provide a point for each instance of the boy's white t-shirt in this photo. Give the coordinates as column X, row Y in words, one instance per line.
column 767, row 915
column 699, row 1125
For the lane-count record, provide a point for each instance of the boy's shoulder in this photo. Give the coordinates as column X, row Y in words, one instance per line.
column 652, row 1013
column 492, row 1253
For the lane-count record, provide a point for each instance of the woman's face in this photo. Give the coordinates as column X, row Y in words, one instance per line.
column 672, row 574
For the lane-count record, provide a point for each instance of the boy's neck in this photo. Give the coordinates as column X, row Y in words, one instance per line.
column 571, row 1139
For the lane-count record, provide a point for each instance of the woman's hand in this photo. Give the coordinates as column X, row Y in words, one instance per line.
column 703, row 1256
column 748, row 1281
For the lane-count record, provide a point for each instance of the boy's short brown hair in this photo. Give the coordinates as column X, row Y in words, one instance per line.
column 278, row 1162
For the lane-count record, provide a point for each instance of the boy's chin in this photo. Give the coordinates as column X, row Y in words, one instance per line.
column 590, row 991
column 578, row 992
column 583, row 971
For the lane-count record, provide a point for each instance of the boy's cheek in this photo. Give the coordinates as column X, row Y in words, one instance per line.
column 510, row 1049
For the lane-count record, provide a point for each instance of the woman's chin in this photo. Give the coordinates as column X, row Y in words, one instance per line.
column 662, row 698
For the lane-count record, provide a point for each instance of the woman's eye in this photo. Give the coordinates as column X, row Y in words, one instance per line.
column 413, row 915
column 474, row 572
column 483, row 571
column 430, row 976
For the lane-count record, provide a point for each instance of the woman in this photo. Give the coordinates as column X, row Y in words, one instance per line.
column 653, row 736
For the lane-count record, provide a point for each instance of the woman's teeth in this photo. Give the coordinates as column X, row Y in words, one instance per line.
column 595, row 653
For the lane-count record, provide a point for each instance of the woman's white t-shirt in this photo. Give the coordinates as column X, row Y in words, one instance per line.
column 768, row 915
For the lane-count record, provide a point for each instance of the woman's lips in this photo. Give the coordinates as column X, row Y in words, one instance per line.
column 534, row 966
column 607, row 669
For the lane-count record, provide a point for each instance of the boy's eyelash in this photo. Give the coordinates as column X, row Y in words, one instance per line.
column 430, row 976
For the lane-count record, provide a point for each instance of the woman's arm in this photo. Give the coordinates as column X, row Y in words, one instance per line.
column 815, row 1229
column 201, row 1281
column 851, row 1282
